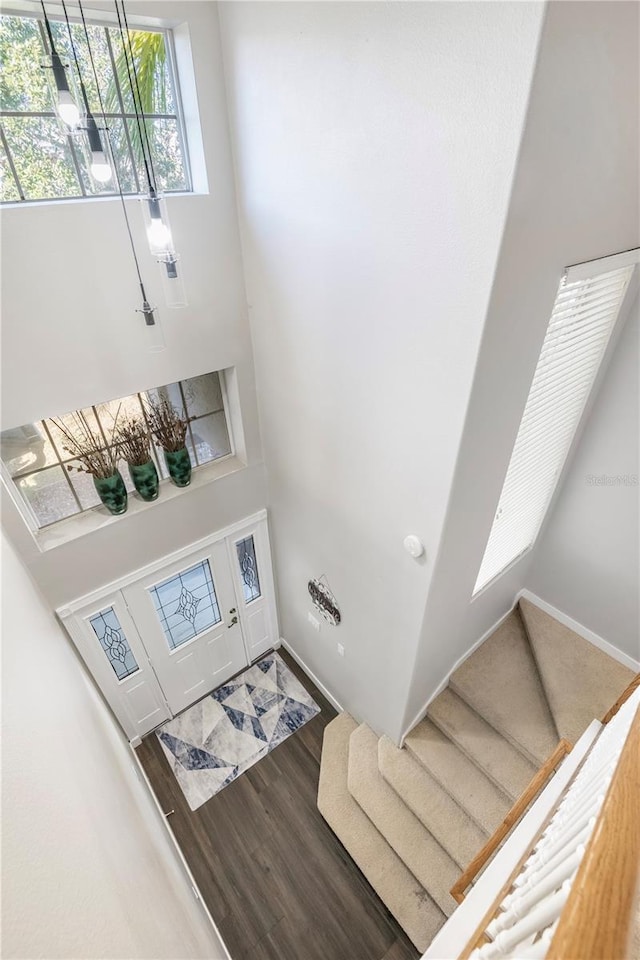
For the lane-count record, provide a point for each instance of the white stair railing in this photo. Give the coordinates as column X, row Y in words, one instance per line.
column 526, row 918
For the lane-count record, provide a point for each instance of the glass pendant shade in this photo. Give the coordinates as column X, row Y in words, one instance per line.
column 61, row 82
column 162, row 247
column 173, row 284
column 158, row 227
column 155, row 337
column 99, row 162
column 153, row 328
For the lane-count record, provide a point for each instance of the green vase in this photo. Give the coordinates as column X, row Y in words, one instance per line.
column 145, row 479
column 179, row 466
column 112, row 492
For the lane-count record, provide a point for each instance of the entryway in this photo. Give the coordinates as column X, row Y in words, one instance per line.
column 275, row 878
column 163, row 637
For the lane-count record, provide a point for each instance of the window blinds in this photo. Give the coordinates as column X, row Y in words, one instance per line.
column 583, row 318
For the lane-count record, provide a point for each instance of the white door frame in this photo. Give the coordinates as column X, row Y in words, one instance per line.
column 73, row 614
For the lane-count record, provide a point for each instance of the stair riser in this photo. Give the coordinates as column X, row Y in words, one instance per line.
column 420, row 852
column 536, row 761
column 416, row 913
column 509, row 795
column 492, row 804
column 454, row 829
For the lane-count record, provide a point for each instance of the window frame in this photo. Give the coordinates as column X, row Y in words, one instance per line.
column 74, row 149
column 590, row 269
column 27, row 511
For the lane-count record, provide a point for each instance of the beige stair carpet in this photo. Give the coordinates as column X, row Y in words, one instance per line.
column 501, row 762
column 459, row 776
column 500, row 680
column 436, row 809
column 420, row 852
column 580, row 680
column 414, row 910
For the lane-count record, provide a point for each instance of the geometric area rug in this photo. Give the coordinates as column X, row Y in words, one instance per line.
column 215, row 740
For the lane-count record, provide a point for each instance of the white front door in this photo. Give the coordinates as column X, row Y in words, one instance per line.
column 187, row 616
column 158, row 640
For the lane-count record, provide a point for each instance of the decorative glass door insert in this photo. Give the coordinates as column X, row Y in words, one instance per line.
column 248, row 569
column 186, row 604
column 113, row 641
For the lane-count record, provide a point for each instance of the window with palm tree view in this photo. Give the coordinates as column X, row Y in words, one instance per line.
column 40, row 160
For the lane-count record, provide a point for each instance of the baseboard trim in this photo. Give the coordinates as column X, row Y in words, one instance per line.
column 445, row 683
column 582, row 631
column 142, row 773
column 319, row 684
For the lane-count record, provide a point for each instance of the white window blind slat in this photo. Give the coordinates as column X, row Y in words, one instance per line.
column 555, row 392
column 587, row 288
column 577, row 306
column 572, row 319
column 580, row 326
column 566, row 331
column 550, row 365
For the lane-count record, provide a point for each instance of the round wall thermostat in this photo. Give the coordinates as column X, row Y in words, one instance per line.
column 414, row 546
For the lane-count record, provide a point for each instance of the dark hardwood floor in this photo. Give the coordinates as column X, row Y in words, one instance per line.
column 278, row 883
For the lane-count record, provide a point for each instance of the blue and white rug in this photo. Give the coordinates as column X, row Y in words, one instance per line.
column 214, row 741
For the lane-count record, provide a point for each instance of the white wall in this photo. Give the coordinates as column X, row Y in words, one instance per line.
column 87, row 868
column 586, row 563
column 375, row 147
column 575, row 198
column 71, row 336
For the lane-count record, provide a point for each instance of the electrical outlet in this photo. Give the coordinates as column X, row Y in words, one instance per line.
column 315, row 623
column 340, row 650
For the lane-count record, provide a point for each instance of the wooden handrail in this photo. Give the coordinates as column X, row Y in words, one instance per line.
column 517, row 810
column 598, row 918
column 624, row 696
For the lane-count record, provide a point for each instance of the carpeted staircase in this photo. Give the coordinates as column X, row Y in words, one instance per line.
column 413, row 818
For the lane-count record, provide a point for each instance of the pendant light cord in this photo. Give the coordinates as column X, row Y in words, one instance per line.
column 137, row 104
column 48, row 26
column 115, row 166
column 140, row 104
column 76, row 61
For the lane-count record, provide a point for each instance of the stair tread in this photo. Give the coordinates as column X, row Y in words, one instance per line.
column 581, row 681
column 459, row 776
column 436, row 809
column 500, row 680
column 499, row 760
column 418, row 849
column 414, row 910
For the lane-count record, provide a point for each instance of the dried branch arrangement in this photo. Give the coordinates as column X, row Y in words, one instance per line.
column 133, row 441
column 167, row 426
column 98, row 456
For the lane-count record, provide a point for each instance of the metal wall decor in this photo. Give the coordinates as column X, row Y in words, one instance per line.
column 324, row 600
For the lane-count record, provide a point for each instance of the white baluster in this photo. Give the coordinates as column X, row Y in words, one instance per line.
column 520, row 906
column 583, row 813
column 529, row 881
column 592, row 802
column 570, row 838
column 544, row 865
column 537, row 950
column 544, row 914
